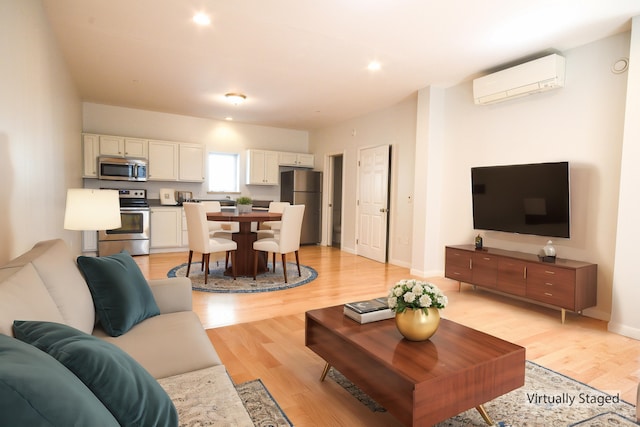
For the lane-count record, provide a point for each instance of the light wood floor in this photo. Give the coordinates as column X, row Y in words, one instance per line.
column 262, row 335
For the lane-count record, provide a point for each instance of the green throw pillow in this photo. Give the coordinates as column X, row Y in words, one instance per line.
column 36, row 390
column 132, row 395
column 120, row 292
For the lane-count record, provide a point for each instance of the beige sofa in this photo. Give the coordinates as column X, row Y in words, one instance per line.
column 45, row 284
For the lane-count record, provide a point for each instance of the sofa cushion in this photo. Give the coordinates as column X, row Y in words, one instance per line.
column 132, row 395
column 120, row 292
column 168, row 344
column 56, row 266
column 36, row 390
column 23, row 295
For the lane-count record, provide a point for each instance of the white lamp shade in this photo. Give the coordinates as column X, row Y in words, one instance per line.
column 89, row 209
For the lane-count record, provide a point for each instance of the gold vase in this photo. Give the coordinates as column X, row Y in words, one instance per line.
column 415, row 325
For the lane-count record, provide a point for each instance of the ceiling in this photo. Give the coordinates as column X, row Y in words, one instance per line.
column 303, row 63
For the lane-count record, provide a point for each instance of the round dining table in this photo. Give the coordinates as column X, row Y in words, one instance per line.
column 245, row 237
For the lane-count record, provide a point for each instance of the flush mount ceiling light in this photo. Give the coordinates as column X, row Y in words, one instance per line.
column 374, row 66
column 201, row 19
column 235, row 98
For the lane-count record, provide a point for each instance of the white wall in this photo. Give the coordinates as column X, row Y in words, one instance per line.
column 40, row 122
column 395, row 126
column 581, row 123
column 217, row 135
column 625, row 316
column 428, row 258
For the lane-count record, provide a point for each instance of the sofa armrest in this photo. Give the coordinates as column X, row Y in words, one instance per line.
column 172, row 294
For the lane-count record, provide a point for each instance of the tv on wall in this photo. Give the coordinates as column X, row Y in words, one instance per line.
column 525, row 199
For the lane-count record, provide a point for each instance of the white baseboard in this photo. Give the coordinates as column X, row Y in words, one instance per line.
column 625, row 330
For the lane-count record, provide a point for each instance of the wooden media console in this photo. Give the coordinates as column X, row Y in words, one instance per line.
column 567, row 284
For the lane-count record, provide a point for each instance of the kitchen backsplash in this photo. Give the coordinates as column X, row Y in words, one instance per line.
column 198, row 189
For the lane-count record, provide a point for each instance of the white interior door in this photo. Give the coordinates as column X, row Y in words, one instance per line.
column 373, row 199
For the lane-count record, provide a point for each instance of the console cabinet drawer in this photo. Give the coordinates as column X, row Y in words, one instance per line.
column 555, row 286
column 458, row 265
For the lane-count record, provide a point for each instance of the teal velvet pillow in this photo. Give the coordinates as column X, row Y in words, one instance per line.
column 120, row 292
column 132, row 395
column 36, row 390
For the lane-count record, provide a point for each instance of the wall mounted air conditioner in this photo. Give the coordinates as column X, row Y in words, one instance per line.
column 539, row 75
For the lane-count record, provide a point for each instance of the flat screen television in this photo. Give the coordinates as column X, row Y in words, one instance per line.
column 525, row 199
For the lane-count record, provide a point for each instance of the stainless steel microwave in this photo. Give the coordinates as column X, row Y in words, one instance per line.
column 122, row 169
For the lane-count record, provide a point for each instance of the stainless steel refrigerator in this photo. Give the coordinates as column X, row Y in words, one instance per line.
column 303, row 187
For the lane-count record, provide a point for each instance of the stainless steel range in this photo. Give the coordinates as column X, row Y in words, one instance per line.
column 134, row 234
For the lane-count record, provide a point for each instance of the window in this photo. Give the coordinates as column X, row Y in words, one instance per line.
column 223, row 173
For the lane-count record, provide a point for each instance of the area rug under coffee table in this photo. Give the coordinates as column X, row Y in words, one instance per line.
column 205, row 398
column 265, row 282
column 547, row 399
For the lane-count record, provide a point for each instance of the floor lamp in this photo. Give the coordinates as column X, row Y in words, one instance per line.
column 90, row 209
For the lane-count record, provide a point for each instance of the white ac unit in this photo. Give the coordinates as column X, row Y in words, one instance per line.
column 539, row 75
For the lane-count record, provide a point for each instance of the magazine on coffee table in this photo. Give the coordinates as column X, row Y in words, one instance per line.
column 369, row 310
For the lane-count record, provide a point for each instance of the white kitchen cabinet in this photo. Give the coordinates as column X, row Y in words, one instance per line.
column 163, row 161
column 262, row 167
column 111, row 146
column 119, row 146
column 191, row 163
column 90, row 153
column 166, row 227
column 136, row 147
column 302, row 160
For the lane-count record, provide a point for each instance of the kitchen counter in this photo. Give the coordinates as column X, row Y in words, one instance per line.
column 223, row 203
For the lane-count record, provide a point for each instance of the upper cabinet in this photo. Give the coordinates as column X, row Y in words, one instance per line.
column 119, row 146
column 191, row 165
column 136, row 147
column 302, row 160
column 262, row 167
column 94, row 146
column 168, row 160
column 90, row 153
column 163, row 161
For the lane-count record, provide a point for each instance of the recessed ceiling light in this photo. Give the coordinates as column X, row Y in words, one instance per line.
column 229, row 119
column 374, row 66
column 235, row 98
column 201, row 19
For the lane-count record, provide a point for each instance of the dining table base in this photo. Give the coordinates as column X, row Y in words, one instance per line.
column 245, row 238
column 244, row 256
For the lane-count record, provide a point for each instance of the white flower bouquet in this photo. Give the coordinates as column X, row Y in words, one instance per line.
column 416, row 295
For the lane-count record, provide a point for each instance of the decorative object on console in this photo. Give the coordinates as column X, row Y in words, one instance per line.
column 244, row 204
column 90, row 209
column 549, row 252
column 416, row 305
column 479, row 242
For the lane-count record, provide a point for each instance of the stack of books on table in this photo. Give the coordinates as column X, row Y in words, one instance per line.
column 368, row 311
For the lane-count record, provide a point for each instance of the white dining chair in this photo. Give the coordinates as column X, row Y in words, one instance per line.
column 272, row 228
column 219, row 228
column 201, row 241
column 286, row 242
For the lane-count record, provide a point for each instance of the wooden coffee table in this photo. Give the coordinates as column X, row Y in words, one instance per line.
column 420, row 383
